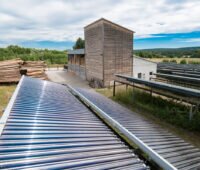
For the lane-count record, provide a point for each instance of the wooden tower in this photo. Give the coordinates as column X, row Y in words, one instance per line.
column 108, row 51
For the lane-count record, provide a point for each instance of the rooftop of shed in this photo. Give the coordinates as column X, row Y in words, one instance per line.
column 144, row 59
column 77, row 51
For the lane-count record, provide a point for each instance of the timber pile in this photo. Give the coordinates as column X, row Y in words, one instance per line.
column 10, row 70
column 34, row 69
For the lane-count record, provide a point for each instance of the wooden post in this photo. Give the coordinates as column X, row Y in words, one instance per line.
column 151, row 95
column 126, row 87
column 114, row 89
column 133, row 92
column 151, row 92
column 191, row 113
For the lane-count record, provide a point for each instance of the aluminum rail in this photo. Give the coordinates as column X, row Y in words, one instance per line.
column 49, row 128
column 168, row 70
column 176, row 77
column 177, row 68
column 146, row 149
column 189, row 67
column 186, row 74
column 9, row 106
column 183, row 91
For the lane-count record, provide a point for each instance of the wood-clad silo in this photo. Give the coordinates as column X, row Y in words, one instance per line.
column 108, row 51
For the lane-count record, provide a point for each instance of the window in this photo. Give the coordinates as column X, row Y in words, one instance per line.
column 143, row 76
column 151, row 73
column 139, row 75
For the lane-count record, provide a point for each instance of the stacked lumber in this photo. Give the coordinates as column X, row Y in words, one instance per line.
column 34, row 69
column 10, row 70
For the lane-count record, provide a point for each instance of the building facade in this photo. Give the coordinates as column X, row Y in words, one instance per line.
column 76, row 62
column 143, row 69
column 108, row 51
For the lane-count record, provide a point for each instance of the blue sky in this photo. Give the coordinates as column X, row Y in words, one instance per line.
column 56, row 24
column 174, row 40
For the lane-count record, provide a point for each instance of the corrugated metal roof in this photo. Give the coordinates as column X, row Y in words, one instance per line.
column 176, row 151
column 77, row 51
column 48, row 128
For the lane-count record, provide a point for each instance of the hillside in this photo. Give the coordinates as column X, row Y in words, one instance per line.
column 192, row 52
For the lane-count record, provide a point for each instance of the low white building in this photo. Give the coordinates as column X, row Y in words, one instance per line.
column 143, row 68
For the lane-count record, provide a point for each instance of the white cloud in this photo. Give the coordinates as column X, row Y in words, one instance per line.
column 63, row 20
column 190, row 40
column 144, row 36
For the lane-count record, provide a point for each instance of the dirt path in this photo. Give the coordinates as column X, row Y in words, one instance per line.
column 65, row 77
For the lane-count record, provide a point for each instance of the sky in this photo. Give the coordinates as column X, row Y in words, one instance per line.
column 56, row 24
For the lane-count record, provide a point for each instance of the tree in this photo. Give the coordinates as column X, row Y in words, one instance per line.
column 80, row 43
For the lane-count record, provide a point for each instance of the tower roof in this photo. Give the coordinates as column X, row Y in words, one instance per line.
column 103, row 20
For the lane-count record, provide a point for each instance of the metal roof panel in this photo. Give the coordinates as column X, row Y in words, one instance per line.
column 49, row 128
column 171, row 148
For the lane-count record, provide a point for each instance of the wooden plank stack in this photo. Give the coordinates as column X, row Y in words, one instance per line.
column 34, row 69
column 10, row 71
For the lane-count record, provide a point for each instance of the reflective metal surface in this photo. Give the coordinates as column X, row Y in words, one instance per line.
column 183, row 79
column 183, row 91
column 176, row 151
column 48, row 128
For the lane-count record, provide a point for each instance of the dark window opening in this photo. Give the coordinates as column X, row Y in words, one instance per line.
column 139, row 75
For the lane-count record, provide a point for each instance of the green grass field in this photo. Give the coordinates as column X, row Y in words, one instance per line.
column 6, row 92
column 188, row 60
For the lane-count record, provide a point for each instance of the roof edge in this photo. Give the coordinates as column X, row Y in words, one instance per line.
column 8, row 109
column 110, row 22
column 76, row 51
column 144, row 59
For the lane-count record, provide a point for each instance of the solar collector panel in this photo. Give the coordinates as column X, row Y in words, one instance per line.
column 48, row 128
column 183, row 91
column 172, row 148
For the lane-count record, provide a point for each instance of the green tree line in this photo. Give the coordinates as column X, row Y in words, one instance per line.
column 190, row 52
column 31, row 54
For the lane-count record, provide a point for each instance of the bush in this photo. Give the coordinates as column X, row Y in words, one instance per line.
column 165, row 61
column 183, row 61
column 194, row 62
column 173, row 61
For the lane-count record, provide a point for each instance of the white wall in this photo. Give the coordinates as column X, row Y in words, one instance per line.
column 143, row 66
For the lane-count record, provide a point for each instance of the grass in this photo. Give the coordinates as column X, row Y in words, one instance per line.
column 188, row 60
column 171, row 116
column 6, row 92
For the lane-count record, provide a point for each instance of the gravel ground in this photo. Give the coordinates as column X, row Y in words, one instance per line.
column 65, row 77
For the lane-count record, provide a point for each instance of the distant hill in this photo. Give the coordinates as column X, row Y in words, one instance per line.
column 192, row 52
